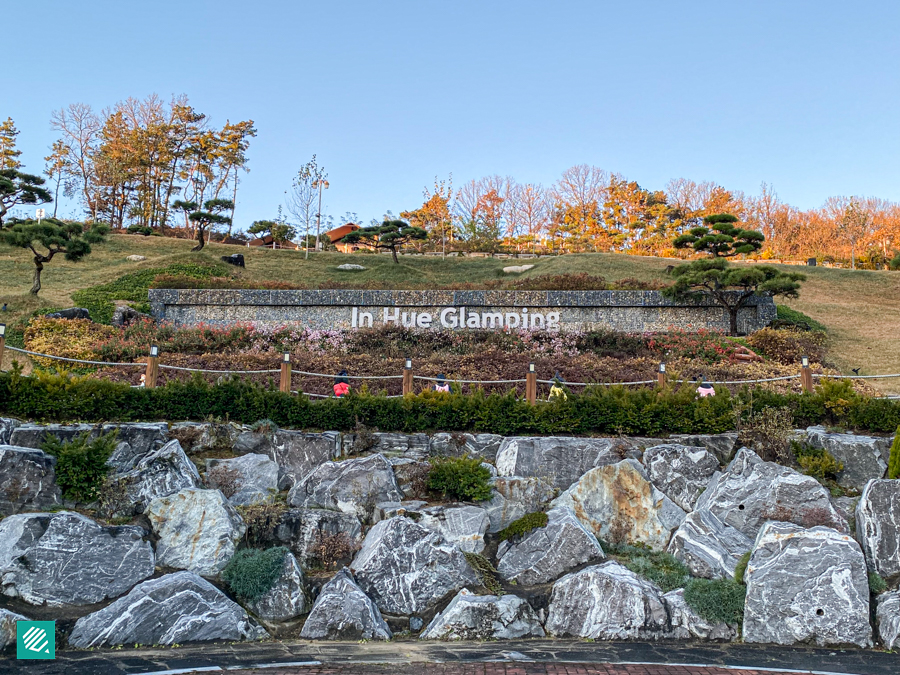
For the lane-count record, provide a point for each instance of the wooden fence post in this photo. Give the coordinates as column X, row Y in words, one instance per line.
column 806, row 380
column 152, row 368
column 2, row 342
column 407, row 378
column 531, row 385
column 661, row 376
column 285, row 384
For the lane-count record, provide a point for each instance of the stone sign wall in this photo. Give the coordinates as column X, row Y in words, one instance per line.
column 630, row 311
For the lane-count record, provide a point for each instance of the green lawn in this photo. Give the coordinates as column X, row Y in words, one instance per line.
column 861, row 309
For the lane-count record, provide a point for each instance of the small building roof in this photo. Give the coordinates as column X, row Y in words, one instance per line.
column 339, row 233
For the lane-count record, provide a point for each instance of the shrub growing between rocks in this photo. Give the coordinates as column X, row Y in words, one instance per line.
column 816, row 462
column 81, row 467
column 523, row 525
column 894, row 461
column 252, row 572
column 460, row 478
column 716, row 600
column 877, row 584
column 661, row 568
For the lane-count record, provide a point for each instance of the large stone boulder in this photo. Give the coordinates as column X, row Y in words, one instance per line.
column 680, row 472
column 407, row 569
column 34, row 435
column 752, row 491
column 200, row 437
column 136, row 440
column 606, row 602
column 173, row 609
column 863, row 457
column 546, row 553
column 158, row 473
column 253, row 443
column 298, row 452
column 484, row 446
column 198, row 530
column 304, row 530
column 887, row 618
column 248, row 479
column 686, row 624
column 66, row 559
column 287, row 599
column 806, row 586
column 464, row 526
column 353, row 486
column 878, row 527
column 708, row 547
column 720, row 445
column 513, row 497
column 413, row 446
column 618, row 504
column 8, row 627
column 343, row 612
column 484, row 617
column 559, row 460
column 27, row 480
column 7, row 424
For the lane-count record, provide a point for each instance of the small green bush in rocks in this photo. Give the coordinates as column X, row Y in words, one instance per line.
column 252, row 572
column 81, row 464
column 523, row 525
column 716, row 600
column 460, row 478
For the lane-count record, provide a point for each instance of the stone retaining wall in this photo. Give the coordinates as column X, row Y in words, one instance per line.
column 629, row 311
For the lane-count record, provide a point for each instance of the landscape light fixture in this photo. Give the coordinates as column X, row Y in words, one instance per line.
column 2, row 330
column 154, row 351
column 804, row 361
column 531, row 367
column 408, row 364
column 287, row 357
column 662, row 367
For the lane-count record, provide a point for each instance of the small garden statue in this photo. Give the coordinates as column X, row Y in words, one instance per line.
column 557, row 392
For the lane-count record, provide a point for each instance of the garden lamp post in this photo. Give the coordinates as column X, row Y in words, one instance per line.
column 321, row 183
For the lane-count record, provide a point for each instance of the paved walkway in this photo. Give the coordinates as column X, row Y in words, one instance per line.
column 410, row 657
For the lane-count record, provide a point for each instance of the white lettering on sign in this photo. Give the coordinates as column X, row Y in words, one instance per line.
column 457, row 317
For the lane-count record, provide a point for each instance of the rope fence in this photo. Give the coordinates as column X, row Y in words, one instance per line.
column 408, row 378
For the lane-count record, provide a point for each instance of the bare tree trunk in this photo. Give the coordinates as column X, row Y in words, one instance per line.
column 394, row 255
column 38, row 268
column 201, row 241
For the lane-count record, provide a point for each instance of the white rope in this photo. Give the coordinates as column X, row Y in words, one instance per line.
column 349, row 377
column 63, row 358
column 596, row 384
column 204, row 370
column 768, row 379
column 434, row 379
column 855, row 377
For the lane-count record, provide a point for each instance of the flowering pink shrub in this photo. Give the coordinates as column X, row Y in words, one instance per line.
column 704, row 345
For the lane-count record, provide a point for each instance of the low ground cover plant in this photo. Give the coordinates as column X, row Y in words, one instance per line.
column 252, row 572
column 716, row 600
column 523, row 525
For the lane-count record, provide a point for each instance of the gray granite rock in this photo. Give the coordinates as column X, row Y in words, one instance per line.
column 8, row 627
column 722, row 446
column 806, row 587
column 484, row 446
column 686, row 624
column 752, row 491
column 513, row 497
column 33, row 435
column 353, row 486
column 546, row 553
column 878, row 527
column 350, row 267
column 618, row 504
column 414, row 446
column 606, row 602
column 484, row 617
column 708, row 547
column 7, row 424
column 252, row 443
column 299, row 530
column 27, row 480
column 680, row 472
column 287, row 599
column 198, row 530
column 411, row 508
column 887, row 618
column 173, row 609
column 250, row 478
column 66, row 559
column 411, row 475
column 198, row 437
column 158, row 473
column 559, row 460
column 464, row 526
column 343, row 612
column 135, row 441
column 408, row 569
column 863, row 457
column 298, row 452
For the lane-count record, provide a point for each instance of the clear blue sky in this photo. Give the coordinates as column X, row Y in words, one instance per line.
column 803, row 95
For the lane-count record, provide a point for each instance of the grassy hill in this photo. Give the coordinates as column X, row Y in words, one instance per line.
column 861, row 309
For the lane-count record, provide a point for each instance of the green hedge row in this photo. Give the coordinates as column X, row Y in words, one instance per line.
column 602, row 410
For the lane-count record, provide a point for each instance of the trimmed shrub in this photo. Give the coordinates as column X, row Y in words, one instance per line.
column 460, row 478
column 81, row 464
column 787, row 346
column 716, row 600
column 252, row 572
column 69, row 338
column 524, row 525
column 793, row 317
